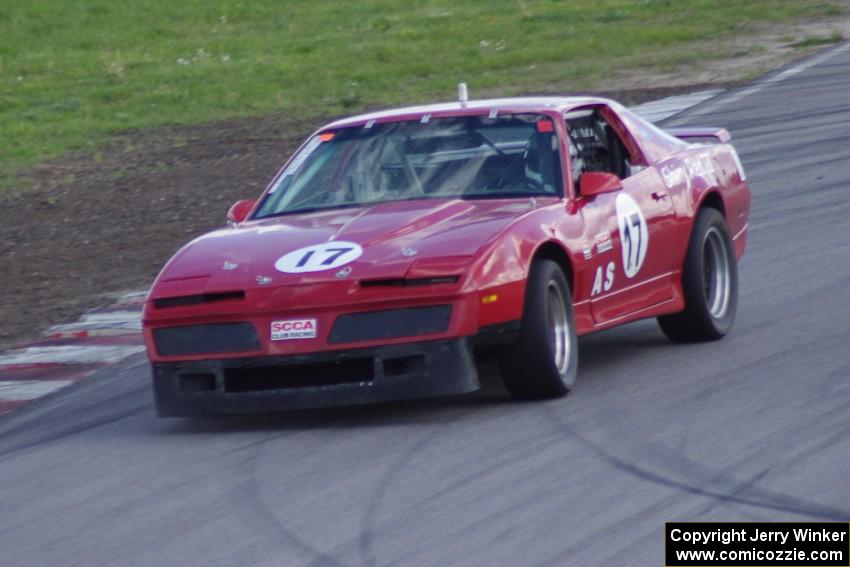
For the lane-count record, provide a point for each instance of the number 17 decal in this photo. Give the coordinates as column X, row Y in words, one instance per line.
column 634, row 234
column 319, row 257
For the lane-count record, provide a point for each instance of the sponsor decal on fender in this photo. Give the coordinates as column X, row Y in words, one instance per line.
column 603, row 242
column 674, row 176
column 294, row 329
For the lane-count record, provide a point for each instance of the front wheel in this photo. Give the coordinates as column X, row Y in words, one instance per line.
column 709, row 282
column 543, row 362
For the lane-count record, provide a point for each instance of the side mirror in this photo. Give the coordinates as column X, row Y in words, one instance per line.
column 240, row 209
column 598, row 182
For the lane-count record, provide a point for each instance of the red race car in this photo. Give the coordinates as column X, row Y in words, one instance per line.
column 393, row 245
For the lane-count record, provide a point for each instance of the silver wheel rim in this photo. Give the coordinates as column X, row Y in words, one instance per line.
column 716, row 272
column 559, row 330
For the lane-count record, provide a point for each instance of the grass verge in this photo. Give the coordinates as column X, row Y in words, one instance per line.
column 75, row 71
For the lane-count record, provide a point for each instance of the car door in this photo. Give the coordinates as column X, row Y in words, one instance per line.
column 631, row 264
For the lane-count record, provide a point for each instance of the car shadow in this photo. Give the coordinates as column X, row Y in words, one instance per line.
column 598, row 353
column 492, row 394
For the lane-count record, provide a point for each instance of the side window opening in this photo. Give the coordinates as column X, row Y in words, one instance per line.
column 594, row 145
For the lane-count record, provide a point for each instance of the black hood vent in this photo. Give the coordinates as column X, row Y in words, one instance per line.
column 404, row 282
column 184, row 300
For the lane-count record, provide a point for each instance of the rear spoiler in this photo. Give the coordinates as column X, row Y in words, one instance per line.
column 701, row 135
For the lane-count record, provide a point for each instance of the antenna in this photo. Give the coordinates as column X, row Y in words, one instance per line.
column 462, row 94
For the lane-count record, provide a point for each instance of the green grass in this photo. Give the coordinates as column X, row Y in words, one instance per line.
column 74, row 71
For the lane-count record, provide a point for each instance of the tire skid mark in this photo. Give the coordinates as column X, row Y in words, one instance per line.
column 291, row 539
column 142, row 405
column 759, row 498
column 110, row 511
column 94, row 416
column 610, row 531
column 517, row 450
column 295, row 424
column 70, row 352
column 385, row 481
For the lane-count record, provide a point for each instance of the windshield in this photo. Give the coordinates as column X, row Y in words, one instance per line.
column 467, row 157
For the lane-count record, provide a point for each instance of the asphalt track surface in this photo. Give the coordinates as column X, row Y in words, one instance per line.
column 754, row 427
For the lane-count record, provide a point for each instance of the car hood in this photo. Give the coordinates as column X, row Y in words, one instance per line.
column 393, row 236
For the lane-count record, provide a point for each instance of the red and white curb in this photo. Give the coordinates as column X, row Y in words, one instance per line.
column 71, row 352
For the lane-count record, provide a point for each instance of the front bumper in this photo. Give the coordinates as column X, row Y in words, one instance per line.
column 326, row 379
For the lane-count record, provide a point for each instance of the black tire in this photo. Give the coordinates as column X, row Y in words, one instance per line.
column 709, row 281
column 543, row 363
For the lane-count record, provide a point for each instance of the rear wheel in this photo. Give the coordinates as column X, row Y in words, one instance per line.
column 543, row 362
column 709, row 281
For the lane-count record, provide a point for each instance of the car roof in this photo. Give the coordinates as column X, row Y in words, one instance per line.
column 540, row 104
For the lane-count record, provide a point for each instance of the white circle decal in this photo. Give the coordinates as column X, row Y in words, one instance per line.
column 319, row 257
column 634, row 235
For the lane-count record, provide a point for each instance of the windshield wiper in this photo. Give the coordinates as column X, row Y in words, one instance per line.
column 311, row 210
column 353, row 205
column 506, row 195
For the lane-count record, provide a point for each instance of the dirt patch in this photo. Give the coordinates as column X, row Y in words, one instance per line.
column 96, row 225
column 91, row 226
column 743, row 58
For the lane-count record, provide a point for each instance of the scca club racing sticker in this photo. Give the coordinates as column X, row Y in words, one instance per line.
column 294, row 329
column 319, row 257
column 634, row 234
